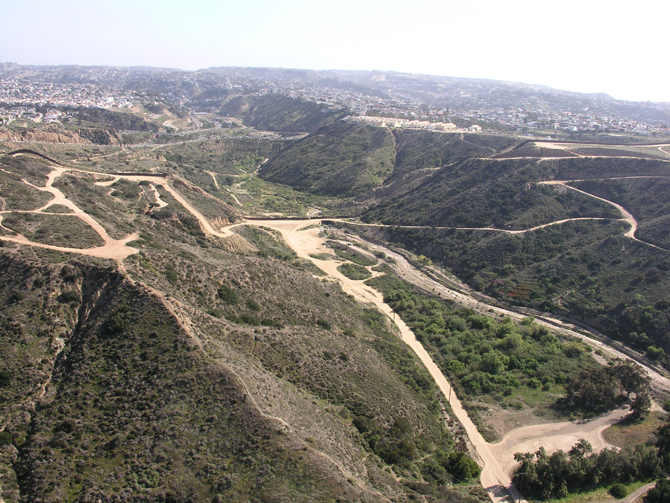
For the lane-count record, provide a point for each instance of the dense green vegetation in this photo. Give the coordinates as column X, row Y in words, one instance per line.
column 660, row 493
column 354, row 271
column 511, row 364
column 280, row 113
column 585, row 269
column 347, row 253
column 343, row 159
column 546, row 476
column 599, row 389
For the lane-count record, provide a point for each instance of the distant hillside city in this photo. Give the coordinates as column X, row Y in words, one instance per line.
column 48, row 94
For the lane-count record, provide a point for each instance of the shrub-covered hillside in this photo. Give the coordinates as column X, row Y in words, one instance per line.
column 489, row 193
column 206, row 375
column 343, row 159
column 280, row 113
column 648, row 199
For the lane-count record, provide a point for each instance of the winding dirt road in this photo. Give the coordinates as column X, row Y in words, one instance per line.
column 306, row 243
column 627, row 216
column 498, row 459
column 115, row 249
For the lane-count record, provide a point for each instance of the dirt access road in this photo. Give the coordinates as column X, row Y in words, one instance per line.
column 115, row 249
column 498, row 461
column 306, row 242
column 627, row 216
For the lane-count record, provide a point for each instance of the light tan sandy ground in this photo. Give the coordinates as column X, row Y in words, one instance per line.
column 554, row 436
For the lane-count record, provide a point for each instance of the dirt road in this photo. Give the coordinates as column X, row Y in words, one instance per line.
column 627, row 216
column 306, row 243
column 554, row 436
column 497, row 458
column 115, row 249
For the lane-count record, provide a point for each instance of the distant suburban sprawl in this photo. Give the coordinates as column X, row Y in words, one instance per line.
column 217, row 95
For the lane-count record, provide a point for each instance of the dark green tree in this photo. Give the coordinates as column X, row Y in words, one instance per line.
column 660, row 493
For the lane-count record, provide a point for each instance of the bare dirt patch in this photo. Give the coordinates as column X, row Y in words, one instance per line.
column 503, row 420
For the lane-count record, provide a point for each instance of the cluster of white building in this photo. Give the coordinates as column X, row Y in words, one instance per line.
column 409, row 123
column 32, row 115
column 21, row 93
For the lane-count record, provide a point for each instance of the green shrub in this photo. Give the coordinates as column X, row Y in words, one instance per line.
column 228, row 295
column 69, row 297
column 171, row 275
column 618, row 491
column 461, row 466
column 253, row 305
column 118, row 321
column 655, row 353
column 68, row 274
column 660, row 493
column 323, row 324
column 5, row 378
column 5, row 438
column 354, row 271
column 266, row 322
column 249, row 320
column 15, row 298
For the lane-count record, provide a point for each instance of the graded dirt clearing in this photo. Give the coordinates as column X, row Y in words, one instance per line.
column 554, row 436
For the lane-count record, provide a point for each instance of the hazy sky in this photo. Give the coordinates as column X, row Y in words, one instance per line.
column 620, row 48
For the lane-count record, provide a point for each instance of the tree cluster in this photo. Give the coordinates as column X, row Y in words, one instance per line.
column 602, row 388
column 543, row 476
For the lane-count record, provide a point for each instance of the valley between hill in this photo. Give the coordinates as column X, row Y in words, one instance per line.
column 303, row 237
column 345, row 380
